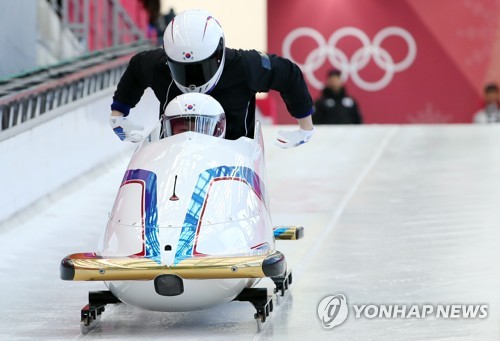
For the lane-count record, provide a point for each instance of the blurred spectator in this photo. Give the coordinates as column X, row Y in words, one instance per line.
column 163, row 23
column 154, row 22
column 334, row 106
column 167, row 18
column 491, row 110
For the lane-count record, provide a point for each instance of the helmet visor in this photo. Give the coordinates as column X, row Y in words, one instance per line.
column 208, row 125
column 195, row 74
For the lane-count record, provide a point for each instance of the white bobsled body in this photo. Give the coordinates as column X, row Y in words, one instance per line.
column 187, row 196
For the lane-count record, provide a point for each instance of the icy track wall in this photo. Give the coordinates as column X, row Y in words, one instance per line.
column 40, row 160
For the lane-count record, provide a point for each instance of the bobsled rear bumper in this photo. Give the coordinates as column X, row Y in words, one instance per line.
column 91, row 267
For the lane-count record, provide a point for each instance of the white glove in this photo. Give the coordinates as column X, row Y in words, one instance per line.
column 125, row 129
column 289, row 139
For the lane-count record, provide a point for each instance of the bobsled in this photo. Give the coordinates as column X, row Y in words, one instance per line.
column 190, row 227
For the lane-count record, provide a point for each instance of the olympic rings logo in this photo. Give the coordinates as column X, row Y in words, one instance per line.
column 350, row 67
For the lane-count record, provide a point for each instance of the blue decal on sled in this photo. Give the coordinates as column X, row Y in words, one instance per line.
column 191, row 221
column 151, row 242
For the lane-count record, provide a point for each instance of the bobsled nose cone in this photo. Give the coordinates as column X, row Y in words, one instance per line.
column 67, row 269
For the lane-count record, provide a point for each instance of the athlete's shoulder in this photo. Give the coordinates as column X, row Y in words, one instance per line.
column 147, row 65
column 253, row 60
column 155, row 55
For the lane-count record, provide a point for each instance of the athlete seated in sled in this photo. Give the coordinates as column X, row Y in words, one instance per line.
column 194, row 112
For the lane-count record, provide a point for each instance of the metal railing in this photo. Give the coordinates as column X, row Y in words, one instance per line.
column 83, row 17
column 52, row 88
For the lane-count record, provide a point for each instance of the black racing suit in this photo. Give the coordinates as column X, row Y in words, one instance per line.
column 245, row 73
column 336, row 108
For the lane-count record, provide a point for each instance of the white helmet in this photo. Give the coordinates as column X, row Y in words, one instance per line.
column 194, row 44
column 194, row 112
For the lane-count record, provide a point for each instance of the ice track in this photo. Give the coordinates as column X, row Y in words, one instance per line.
column 405, row 215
